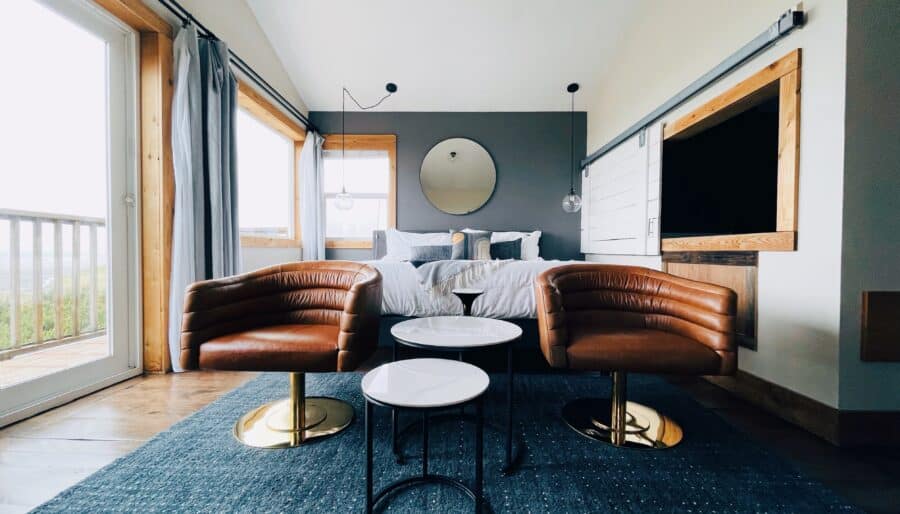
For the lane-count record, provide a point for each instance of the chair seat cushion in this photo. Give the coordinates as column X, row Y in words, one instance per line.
column 275, row 348
column 641, row 351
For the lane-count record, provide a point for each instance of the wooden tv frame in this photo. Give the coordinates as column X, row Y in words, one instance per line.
column 781, row 78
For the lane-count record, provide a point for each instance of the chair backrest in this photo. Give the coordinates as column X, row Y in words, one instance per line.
column 583, row 296
column 312, row 292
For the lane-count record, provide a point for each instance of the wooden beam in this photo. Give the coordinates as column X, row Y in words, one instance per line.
column 712, row 109
column 255, row 103
column 349, row 243
column 138, row 16
column 766, row 241
column 788, row 151
column 361, row 141
column 157, row 196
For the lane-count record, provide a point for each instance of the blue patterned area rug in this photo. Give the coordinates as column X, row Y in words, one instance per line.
column 197, row 466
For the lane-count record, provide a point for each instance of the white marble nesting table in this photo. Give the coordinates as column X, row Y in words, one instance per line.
column 425, row 386
column 460, row 334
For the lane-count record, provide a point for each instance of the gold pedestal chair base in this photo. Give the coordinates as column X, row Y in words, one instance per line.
column 276, row 424
column 621, row 423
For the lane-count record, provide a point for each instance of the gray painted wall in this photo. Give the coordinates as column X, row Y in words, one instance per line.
column 871, row 220
column 530, row 150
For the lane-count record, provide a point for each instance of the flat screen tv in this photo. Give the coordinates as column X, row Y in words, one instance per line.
column 723, row 179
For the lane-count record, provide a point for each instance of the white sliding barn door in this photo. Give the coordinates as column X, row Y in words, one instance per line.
column 621, row 198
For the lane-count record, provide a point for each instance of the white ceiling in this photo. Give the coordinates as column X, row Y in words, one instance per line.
column 460, row 55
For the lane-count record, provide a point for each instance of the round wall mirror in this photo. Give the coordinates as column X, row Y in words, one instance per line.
column 458, row 175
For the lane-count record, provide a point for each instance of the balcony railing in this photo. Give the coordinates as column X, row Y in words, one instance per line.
column 62, row 308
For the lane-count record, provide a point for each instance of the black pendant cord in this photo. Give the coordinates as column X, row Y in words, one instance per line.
column 343, row 141
column 391, row 89
column 572, row 149
column 374, row 105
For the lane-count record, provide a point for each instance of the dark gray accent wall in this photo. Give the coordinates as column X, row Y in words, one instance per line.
column 530, row 150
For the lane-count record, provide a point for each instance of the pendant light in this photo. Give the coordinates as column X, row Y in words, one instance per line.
column 344, row 200
column 572, row 202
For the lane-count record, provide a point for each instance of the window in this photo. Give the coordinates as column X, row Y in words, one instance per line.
column 268, row 148
column 368, row 171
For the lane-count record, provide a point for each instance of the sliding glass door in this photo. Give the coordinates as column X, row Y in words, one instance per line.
column 69, row 290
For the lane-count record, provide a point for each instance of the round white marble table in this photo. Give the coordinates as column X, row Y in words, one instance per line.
column 455, row 333
column 425, row 385
column 460, row 334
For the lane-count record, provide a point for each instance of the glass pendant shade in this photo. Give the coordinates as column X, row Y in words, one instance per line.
column 571, row 202
column 344, row 201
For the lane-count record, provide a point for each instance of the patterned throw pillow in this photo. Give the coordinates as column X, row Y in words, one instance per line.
column 478, row 245
column 458, row 244
column 507, row 250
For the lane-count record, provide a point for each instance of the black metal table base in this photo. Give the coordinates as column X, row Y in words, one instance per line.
column 512, row 462
column 476, row 494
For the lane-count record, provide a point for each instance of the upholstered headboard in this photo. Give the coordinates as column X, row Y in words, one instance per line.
column 379, row 243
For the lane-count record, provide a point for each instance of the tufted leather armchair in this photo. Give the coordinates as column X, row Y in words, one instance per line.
column 315, row 316
column 629, row 319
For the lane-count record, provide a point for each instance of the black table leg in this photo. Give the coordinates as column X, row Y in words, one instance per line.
column 509, row 408
column 369, row 429
column 462, row 408
column 424, row 444
column 479, row 455
column 395, row 419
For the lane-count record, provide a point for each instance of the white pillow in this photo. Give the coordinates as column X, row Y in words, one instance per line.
column 530, row 241
column 399, row 244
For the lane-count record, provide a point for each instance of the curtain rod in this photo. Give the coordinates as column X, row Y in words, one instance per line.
column 185, row 16
column 791, row 19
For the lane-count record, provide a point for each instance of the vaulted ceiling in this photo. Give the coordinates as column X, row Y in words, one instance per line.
column 460, row 55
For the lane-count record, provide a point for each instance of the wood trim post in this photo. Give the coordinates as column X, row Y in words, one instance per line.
column 788, row 151
column 157, row 196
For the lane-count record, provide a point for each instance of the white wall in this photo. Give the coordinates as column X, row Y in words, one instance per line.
column 871, row 194
column 673, row 43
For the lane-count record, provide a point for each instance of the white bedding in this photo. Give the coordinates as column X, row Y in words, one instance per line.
column 508, row 290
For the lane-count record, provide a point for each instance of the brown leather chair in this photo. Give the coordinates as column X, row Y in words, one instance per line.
column 299, row 317
column 622, row 319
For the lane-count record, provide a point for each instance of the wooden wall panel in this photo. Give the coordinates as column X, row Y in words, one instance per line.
column 740, row 279
column 157, row 196
column 788, row 152
column 767, row 241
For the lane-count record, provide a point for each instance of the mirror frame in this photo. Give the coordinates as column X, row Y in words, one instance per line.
column 486, row 200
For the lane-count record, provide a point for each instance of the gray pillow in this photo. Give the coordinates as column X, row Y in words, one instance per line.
column 420, row 254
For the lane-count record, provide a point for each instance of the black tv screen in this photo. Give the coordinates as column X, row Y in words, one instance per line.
column 723, row 179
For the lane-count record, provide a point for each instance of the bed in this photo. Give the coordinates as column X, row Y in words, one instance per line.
column 426, row 290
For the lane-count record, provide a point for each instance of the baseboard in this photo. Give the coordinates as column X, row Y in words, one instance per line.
column 841, row 428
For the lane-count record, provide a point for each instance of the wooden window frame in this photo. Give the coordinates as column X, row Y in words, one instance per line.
column 386, row 142
column 263, row 110
column 782, row 76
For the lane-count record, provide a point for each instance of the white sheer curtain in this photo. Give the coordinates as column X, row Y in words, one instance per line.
column 205, row 234
column 312, row 197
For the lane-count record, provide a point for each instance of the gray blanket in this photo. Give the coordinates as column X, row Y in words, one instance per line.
column 445, row 276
